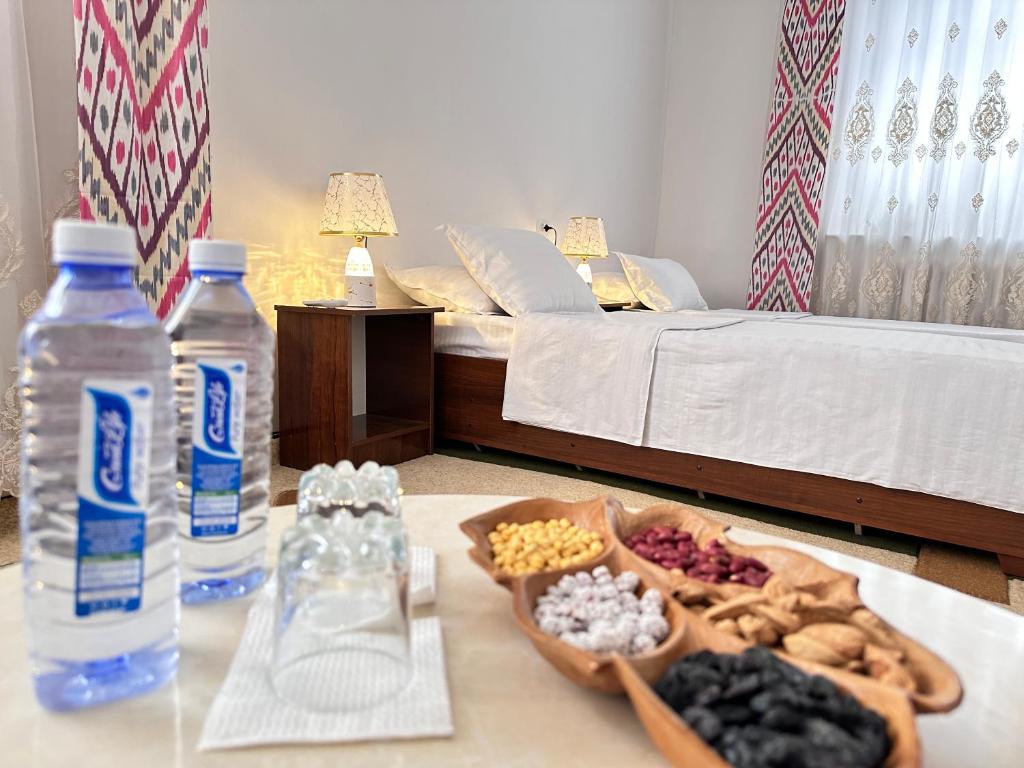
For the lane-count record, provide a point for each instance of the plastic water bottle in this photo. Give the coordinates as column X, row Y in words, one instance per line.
column 98, row 533
column 224, row 389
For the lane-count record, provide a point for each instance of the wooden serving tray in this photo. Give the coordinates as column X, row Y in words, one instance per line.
column 689, row 631
column 939, row 687
column 682, row 747
column 597, row 515
column 593, row 670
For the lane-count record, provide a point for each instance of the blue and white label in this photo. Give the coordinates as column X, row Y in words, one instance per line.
column 114, row 441
column 218, row 437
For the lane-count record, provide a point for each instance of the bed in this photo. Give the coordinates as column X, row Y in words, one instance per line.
column 792, row 448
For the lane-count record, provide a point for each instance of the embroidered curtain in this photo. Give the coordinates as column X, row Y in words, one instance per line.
column 924, row 196
column 144, row 130
column 38, row 184
column 795, row 152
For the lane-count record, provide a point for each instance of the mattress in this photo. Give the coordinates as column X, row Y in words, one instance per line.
column 461, row 333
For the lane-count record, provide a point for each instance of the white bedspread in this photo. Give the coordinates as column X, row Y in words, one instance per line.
column 590, row 374
column 937, row 413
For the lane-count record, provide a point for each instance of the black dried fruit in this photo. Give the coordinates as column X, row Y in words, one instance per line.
column 759, row 712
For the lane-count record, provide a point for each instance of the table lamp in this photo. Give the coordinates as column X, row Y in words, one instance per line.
column 356, row 205
column 584, row 239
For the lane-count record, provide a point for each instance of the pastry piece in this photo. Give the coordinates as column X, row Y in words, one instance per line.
column 806, row 647
column 844, row 639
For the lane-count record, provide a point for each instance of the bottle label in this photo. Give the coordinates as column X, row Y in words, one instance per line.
column 114, row 441
column 218, row 436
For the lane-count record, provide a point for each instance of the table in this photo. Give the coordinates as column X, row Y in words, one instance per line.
column 331, row 359
column 510, row 707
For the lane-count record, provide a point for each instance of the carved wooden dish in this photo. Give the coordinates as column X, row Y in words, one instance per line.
column 596, row 515
column 938, row 686
column 682, row 747
column 592, row 670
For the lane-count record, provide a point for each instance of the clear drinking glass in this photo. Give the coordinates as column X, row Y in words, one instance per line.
column 341, row 627
column 324, row 489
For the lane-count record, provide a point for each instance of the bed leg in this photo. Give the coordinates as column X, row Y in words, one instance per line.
column 858, row 529
column 578, row 467
column 478, row 448
column 700, row 495
column 1011, row 565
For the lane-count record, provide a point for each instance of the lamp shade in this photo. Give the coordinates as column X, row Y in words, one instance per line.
column 585, row 239
column 356, row 204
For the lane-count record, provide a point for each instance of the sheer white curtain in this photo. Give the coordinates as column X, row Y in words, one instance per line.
column 38, row 180
column 923, row 213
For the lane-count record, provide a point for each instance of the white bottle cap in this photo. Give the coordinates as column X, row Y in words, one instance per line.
column 216, row 256
column 90, row 242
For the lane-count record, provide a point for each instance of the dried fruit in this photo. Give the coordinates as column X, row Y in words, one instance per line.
column 755, row 711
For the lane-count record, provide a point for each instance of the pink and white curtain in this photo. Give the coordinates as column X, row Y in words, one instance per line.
column 795, row 154
column 923, row 212
column 143, row 124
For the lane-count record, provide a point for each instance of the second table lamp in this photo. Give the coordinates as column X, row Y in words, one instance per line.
column 584, row 239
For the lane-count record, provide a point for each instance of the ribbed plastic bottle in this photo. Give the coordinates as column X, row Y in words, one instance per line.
column 224, row 389
column 98, row 527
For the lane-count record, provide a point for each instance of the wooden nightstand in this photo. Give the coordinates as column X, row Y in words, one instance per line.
column 315, row 364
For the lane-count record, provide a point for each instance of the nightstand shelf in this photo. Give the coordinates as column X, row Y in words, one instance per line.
column 325, row 356
column 370, row 428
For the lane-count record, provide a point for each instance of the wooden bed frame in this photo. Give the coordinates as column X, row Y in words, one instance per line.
column 468, row 397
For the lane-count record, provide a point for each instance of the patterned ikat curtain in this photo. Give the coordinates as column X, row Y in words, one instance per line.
column 795, row 154
column 143, row 126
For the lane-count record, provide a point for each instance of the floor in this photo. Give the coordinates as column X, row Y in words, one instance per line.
column 459, row 469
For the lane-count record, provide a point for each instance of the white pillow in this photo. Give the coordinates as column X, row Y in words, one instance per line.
column 663, row 285
column 613, row 286
column 448, row 286
column 521, row 270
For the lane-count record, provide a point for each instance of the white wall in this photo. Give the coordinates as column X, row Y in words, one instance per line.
column 721, row 67
column 478, row 112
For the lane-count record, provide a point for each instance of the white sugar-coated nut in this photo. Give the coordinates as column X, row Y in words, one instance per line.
column 584, row 579
column 581, row 612
column 583, row 594
column 653, row 596
column 606, row 639
column 605, row 611
column 629, row 602
column 655, row 626
column 582, row 640
column 565, row 585
column 562, row 608
column 627, row 581
column 650, row 608
column 551, row 625
column 642, row 643
column 601, row 571
column 606, row 592
column 603, row 580
column 629, row 622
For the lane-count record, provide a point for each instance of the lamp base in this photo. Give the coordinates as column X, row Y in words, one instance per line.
column 583, row 270
column 360, row 291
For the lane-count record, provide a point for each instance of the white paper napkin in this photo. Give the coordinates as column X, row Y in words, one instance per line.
column 422, row 575
column 247, row 712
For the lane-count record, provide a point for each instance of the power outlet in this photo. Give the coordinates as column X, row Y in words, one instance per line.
column 545, row 228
